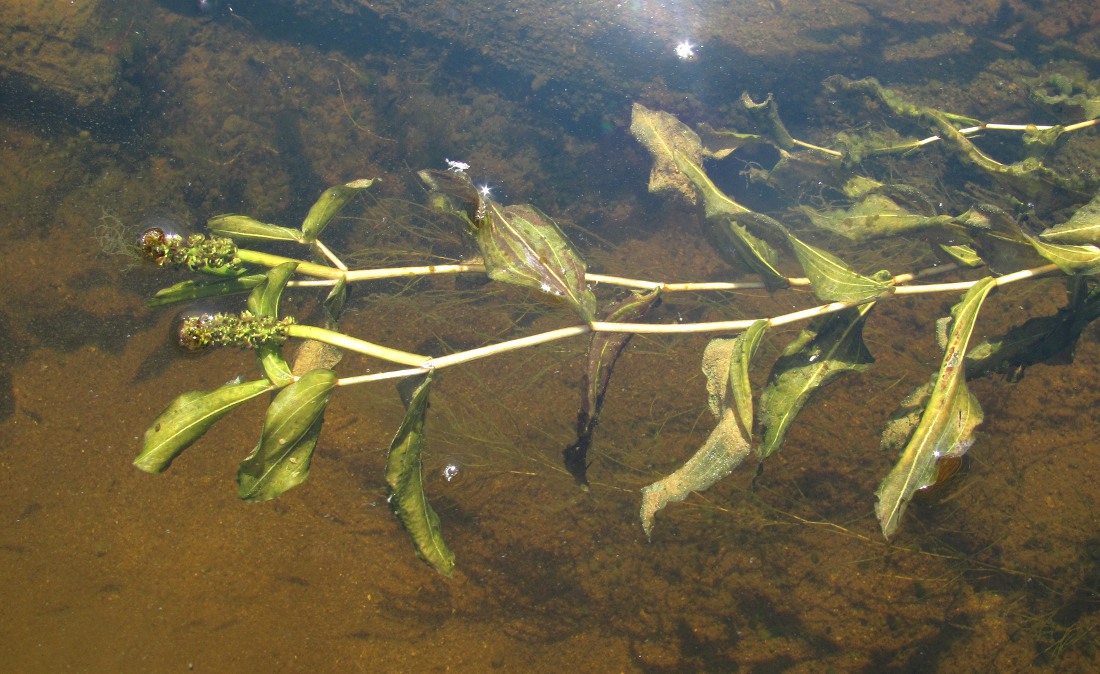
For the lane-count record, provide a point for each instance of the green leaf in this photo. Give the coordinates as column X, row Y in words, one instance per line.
column 665, row 136
column 522, row 246
column 189, row 416
column 331, row 202
column 827, row 348
column 404, row 475
column 188, row 291
column 244, row 227
column 264, row 301
column 291, row 427
column 947, row 424
column 876, row 215
column 1082, row 260
column 998, row 239
column 1082, row 228
column 725, row 448
column 745, row 346
column 832, row 279
column 603, row 352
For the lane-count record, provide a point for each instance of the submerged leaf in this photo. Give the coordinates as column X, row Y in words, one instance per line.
column 947, row 423
column 291, row 427
column 665, row 136
column 189, row 416
column 1082, row 228
column 827, row 348
column 832, row 279
column 875, row 215
column 603, row 352
column 331, row 202
column 725, row 448
column 523, row 246
column 404, row 475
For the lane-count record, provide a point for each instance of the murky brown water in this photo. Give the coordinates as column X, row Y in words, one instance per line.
column 108, row 569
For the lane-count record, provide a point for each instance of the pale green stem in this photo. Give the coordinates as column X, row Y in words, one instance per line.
column 422, row 364
column 343, row 341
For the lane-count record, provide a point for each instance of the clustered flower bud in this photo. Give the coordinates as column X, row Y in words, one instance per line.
column 247, row 331
column 196, row 252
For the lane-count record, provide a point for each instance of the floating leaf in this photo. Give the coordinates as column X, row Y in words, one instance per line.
column 827, row 348
column 603, row 352
column 1082, row 228
column 665, row 136
column 947, row 424
column 404, row 475
column 331, row 202
column 244, row 227
column 725, row 448
column 523, row 246
column 189, row 416
column 264, row 301
column 191, row 290
column 291, row 427
column 832, row 279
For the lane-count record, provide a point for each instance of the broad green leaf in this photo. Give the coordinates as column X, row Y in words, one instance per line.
column 188, row 291
column 827, row 348
column 998, row 239
column 404, row 475
column 832, row 279
column 522, row 246
column 1083, row 228
column 719, row 143
column 604, row 350
column 741, row 248
column 876, row 215
column 291, row 427
column 740, row 394
column 665, row 136
column 715, row 201
column 1081, row 260
column 962, row 255
column 947, row 424
column 331, row 202
column 188, row 417
column 264, row 301
column 244, row 227
column 725, row 448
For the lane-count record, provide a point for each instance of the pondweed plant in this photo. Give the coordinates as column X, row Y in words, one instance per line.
column 517, row 244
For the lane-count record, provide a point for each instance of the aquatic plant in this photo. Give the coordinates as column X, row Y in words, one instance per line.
column 934, row 426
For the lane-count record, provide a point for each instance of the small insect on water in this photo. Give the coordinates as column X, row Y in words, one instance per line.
column 457, row 166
